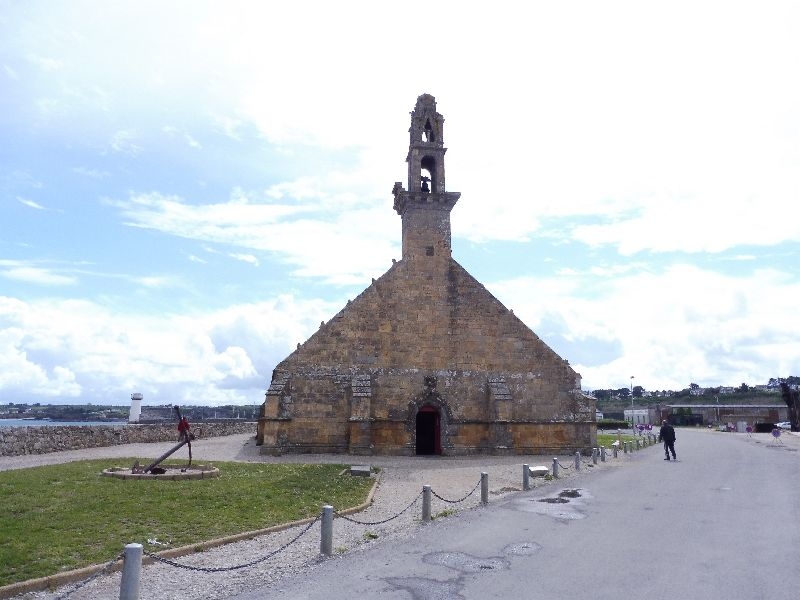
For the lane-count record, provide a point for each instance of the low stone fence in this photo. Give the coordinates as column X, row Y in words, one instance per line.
column 16, row 441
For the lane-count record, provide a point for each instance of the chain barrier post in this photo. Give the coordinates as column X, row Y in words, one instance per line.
column 624, row 447
column 614, row 451
column 555, row 467
column 578, row 460
column 602, row 454
column 326, row 530
column 484, row 488
column 638, row 444
column 426, row 504
column 526, row 478
column 594, row 456
column 131, row 572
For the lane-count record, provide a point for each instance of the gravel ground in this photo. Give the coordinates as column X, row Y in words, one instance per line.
column 399, row 483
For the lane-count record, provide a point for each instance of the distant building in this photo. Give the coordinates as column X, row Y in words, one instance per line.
column 710, row 414
column 638, row 416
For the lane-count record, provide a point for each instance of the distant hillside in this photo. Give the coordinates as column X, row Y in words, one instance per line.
column 617, row 404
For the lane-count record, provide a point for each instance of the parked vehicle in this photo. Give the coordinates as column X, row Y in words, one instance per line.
column 783, row 425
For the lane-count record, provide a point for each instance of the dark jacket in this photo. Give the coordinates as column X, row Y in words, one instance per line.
column 667, row 433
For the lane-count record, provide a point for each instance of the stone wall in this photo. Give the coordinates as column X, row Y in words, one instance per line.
column 16, row 441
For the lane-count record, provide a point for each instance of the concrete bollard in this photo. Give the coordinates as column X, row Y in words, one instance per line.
column 602, row 454
column 484, row 488
column 131, row 572
column 638, row 444
column 526, row 478
column 578, row 460
column 555, row 467
column 326, row 539
column 426, row 504
column 614, row 451
column 594, row 456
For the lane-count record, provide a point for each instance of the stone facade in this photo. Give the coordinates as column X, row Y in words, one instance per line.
column 426, row 360
column 18, row 441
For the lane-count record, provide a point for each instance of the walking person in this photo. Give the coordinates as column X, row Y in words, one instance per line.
column 667, row 435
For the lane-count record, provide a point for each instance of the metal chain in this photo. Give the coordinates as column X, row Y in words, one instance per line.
column 562, row 466
column 172, row 563
column 460, row 499
column 91, row 578
column 346, row 518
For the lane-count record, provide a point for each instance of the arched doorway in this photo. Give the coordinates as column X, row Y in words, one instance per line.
column 429, row 430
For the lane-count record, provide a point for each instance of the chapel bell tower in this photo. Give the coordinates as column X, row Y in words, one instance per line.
column 425, row 207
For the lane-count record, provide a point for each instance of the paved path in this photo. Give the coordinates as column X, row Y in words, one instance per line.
column 722, row 522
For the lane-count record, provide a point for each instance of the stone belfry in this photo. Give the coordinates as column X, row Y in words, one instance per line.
column 425, row 207
column 425, row 360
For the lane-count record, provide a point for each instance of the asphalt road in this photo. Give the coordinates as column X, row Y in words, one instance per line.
column 723, row 521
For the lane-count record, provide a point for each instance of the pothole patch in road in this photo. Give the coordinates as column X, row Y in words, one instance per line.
column 570, row 494
column 421, row 588
column 563, row 497
column 564, row 506
column 522, row 549
column 556, row 500
column 465, row 563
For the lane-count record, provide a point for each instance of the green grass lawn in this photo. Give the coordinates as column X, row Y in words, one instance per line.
column 606, row 439
column 61, row 517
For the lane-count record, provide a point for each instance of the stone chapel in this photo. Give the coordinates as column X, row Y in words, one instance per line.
column 425, row 360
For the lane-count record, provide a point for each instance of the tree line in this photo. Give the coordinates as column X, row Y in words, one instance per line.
column 624, row 393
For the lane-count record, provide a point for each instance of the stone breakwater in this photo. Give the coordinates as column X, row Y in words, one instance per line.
column 18, row 441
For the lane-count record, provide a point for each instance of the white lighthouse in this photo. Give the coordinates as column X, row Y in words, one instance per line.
column 136, row 408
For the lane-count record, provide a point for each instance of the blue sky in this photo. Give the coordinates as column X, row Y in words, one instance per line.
column 189, row 188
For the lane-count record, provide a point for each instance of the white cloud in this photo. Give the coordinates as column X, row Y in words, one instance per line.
column 125, row 142
column 92, row 173
column 247, row 258
column 36, row 275
column 30, row 203
column 667, row 328
column 172, row 131
column 344, row 246
column 46, row 63
column 64, row 348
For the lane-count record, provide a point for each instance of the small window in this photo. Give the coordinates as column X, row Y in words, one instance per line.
column 427, row 133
